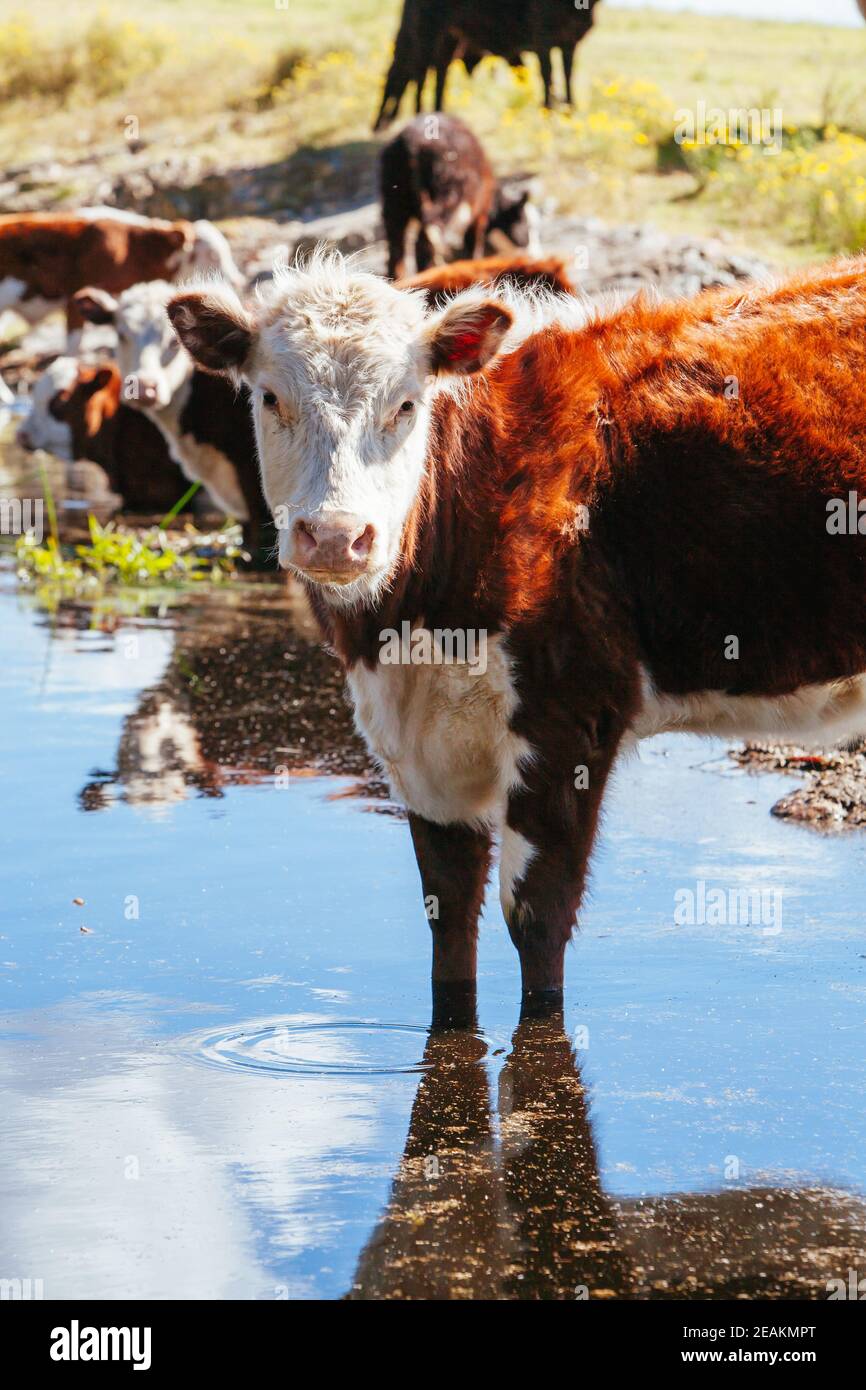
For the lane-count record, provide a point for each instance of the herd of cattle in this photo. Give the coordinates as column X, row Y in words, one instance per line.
column 147, row 414
column 608, row 500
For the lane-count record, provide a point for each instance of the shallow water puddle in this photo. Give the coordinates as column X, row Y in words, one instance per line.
column 226, row 1087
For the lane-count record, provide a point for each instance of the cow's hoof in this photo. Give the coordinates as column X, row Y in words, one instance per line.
column 454, row 1004
column 540, row 1003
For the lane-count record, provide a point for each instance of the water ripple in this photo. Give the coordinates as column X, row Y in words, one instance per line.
column 330, row 1047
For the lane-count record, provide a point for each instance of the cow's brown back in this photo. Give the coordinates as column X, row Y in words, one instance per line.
column 55, row 255
column 440, row 282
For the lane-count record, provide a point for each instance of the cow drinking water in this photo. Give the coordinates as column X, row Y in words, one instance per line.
column 76, row 412
column 641, row 512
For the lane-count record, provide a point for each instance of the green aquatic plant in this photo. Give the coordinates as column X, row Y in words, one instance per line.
column 119, row 556
column 180, row 504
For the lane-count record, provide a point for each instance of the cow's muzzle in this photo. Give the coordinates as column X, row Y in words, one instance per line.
column 332, row 549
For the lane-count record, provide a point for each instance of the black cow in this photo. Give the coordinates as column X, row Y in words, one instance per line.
column 433, row 33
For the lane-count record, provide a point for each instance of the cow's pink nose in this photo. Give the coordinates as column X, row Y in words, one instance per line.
column 337, row 545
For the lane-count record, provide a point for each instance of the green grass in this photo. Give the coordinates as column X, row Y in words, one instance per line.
column 242, row 83
column 118, row 556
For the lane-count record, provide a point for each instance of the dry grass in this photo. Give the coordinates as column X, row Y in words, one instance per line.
column 243, row 83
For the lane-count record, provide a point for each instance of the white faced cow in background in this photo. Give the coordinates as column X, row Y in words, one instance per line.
column 204, row 421
column 597, row 506
column 41, row 429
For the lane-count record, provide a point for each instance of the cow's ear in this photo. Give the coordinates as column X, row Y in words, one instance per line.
column 213, row 326
column 464, row 336
column 95, row 305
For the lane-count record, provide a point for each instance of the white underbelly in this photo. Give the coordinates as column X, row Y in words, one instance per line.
column 441, row 734
column 826, row 713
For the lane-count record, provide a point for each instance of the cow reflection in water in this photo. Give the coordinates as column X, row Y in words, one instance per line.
column 476, row 1213
column 512, row 1206
column 246, row 694
column 159, row 759
column 498, row 1203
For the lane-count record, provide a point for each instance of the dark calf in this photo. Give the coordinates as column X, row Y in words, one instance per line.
column 435, row 175
column 122, row 441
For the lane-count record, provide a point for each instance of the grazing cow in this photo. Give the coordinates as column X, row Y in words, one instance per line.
column 83, row 417
column 46, row 257
column 40, row 428
column 441, row 283
column 534, row 536
column 435, row 176
column 534, row 26
column 434, row 33
column 204, row 421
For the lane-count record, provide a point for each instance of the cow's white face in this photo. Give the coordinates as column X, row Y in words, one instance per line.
column 152, row 365
column 40, row 429
column 342, row 368
column 340, row 408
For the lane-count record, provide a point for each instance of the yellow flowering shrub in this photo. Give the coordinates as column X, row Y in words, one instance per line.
column 103, row 58
column 814, row 186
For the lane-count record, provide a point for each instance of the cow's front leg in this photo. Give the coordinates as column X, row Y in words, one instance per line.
column 546, row 843
column 475, row 236
column 425, row 254
column 454, row 861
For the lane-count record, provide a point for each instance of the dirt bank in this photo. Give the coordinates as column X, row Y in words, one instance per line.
column 833, row 794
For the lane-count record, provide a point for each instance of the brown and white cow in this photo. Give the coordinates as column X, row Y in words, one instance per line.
column 646, row 512
column 442, row 282
column 76, row 412
column 205, row 422
column 45, row 257
column 40, row 428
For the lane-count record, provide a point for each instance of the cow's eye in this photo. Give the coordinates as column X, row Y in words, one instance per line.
column 269, row 399
column 406, row 408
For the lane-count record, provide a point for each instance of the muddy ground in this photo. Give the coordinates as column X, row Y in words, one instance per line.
column 833, row 794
